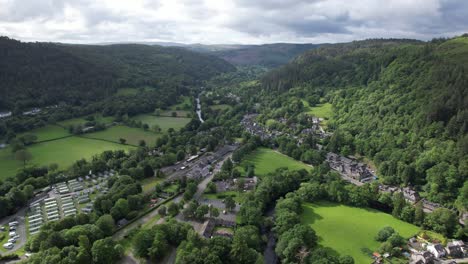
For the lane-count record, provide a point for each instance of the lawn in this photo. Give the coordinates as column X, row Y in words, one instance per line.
column 132, row 135
column 163, row 122
column 267, row 160
column 321, row 110
column 238, row 197
column 349, row 230
column 149, row 183
column 64, row 152
column 48, row 132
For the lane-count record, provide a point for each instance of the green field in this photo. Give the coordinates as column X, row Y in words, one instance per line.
column 48, row 132
column 64, row 152
column 162, row 121
column 349, row 230
column 148, row 184
column 267, row 161
column 321, row 110
column 81, row 120
column 180, row 113
column 131, row 134
column 185, row 104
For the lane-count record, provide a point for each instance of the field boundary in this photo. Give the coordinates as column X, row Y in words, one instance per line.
column 105, row 140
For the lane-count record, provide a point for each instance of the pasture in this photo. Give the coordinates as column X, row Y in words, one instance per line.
column 64, row 152
column 81, row 120
column 132, row 135
column 351, row 230
column 47, row 132
column 163, row 122
column 267, row 160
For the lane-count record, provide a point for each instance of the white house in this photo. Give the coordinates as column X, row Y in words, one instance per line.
column 437, row 250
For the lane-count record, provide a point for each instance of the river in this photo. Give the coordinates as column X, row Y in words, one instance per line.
column 199, row 113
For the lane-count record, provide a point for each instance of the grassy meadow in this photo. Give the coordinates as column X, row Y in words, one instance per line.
column 350, row 230
column 81, row 120
column 47, row 132
column 267, row 160
column 132, row 135
column 163, row 122
column 64, row 152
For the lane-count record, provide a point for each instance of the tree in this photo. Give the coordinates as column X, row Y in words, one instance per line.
column 120, row 209
column 214, row 212
column 122, row 141
column 162, row 210
column 53, row 167
column 443, row 221
column 105, row 251
column 106, row 224
column 173, row 209
column 398, row 204
column 142, row 143
column 211, row 187
column 229, row 203
column 23, row 156
column 384, row 234
column 419, row 213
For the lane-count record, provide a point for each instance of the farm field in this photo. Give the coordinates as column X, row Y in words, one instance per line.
column 267, row 160
column 349, row 230
column 179, row 113
column 81, row 120
column 162, row 121
column 132, row 135
column 62, row 151
column 48, row 132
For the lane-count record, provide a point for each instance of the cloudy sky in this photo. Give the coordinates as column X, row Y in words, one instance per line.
column 230, row 21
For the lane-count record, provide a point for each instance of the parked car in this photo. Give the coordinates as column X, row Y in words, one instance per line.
column 12, row 240
column 12, row 228
column 8, row 245
column 14, row 223
column 16, row 237
column 12, row 234
column 2, row 228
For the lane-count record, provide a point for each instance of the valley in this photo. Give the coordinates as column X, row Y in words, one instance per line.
column 335, row 153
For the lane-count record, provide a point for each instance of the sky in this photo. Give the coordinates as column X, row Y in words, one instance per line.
column 230, row 22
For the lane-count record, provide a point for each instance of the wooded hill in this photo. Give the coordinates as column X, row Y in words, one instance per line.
column 401, row 103
column 268, row 55
column 38, row 74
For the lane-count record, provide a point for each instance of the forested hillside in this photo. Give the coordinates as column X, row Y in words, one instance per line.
column 38, row 74
column 403, row 104
column 268, row 55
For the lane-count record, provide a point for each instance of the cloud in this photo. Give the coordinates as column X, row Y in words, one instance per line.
column 230, row 21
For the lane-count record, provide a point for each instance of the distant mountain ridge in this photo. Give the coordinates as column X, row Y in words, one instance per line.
column 35, row 74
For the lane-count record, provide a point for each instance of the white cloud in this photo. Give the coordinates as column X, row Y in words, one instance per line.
column 234, row 21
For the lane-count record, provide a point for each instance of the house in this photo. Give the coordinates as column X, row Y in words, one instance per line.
column 454, row 250
column 425, row 257
column 349, row 167
column 410, row 195
column 437, row 250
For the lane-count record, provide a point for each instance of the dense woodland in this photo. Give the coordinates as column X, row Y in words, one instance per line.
column 43, row 74
column 402, row 104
